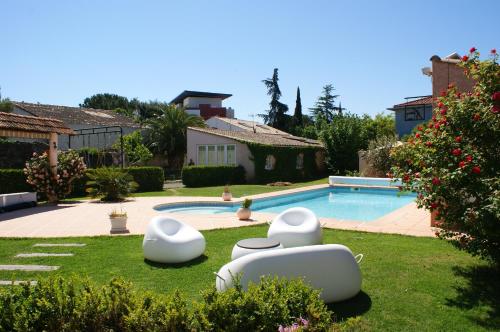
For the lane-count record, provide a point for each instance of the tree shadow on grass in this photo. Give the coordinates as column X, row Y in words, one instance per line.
column 196, row 261
column 356, row 306
column 481, row 292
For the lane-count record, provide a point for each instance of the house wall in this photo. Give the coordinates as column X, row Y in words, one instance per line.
column 196, row 101
column 243, row 154
column 445, row 73
column 404, row 127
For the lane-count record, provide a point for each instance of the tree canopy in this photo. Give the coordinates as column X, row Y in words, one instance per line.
column 324, row 107
column 275, row 116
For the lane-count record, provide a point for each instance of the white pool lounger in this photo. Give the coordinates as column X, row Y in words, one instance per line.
column 330, row 267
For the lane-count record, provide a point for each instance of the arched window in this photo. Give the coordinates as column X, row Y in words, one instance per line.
column 270, row 162
column 299, row 164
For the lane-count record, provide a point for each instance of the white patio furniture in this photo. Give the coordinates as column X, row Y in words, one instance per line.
column 17, row 200
column 249, row 246
column 330, row 267
column 168, row 240
column 296, row 227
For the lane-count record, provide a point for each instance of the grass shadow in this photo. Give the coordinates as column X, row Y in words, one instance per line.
column 356, row 306
column 198, row 260
column 481, row 292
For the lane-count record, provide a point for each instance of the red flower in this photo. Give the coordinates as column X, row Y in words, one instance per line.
column 493, row 51
column 472, row 50
column 468, row 158
column 465, row 58
column 436, row 126
column 436, row 181
column 476, row 117
column 458, row 139
column 443, row 111
column 428, row 143
column 495, row 109
column 406, row 178
column 496, row 96
column 420, row 128
column 476, row 170
column 461, row 164
column 434, row 205
column 457, row 152
column 440, row 104
column 443, row 93
column 417, row 135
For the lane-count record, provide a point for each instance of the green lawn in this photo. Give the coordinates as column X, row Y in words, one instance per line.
column 409, row 283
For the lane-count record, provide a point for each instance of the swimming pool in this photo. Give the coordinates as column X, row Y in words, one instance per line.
column 363, row 204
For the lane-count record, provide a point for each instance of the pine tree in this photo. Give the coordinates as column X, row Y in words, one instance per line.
column 297, row 116
column 275, row 116
column 325, row 106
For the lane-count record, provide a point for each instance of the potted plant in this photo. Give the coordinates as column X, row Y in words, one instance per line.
column 118, row 221
column 244, row 211
column 226, row 195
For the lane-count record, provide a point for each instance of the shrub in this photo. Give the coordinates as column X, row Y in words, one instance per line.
column 111, row 184
column 263, row 307
column 74, row 304
column 137, row 153
column 204, row 176
column 378, row 154
column 38, row 173
column 453, row 161
column 13, row 181
column 148, row 178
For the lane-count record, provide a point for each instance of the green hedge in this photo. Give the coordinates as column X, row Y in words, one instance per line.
column 13, row 181
column 204, row 176
column 58, row 304
column 148, row 178
column 285, row 166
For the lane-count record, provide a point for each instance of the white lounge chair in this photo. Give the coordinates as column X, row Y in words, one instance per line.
column 296, row 227
column 330, row 267
column 168, row 240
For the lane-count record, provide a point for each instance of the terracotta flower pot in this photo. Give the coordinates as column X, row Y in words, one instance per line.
column 243, row 214
column 227, row 196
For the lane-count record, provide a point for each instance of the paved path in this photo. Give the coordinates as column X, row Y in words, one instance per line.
column 59, row 245
column 42, row 254
column 90, row 218
column 28, row 268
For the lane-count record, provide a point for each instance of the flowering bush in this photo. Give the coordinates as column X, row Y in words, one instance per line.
column 453, row 161
column 70, row 166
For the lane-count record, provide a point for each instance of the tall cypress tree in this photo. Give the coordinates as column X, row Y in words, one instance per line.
column 275, row 115
column 297, row 115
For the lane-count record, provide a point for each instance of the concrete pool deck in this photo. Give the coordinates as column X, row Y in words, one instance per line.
column 90, row 218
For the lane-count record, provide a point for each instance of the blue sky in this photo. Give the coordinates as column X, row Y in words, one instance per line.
column 60, row 52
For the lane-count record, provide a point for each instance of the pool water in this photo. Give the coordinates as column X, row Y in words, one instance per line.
column 362, row 204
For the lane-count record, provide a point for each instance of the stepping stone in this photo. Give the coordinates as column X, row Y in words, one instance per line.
column 43, row 254
column 59, row 245
column 17, row 282
column 28, row 268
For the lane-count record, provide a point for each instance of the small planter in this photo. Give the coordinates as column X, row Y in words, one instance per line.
column 227, row 196
column 118, row 222
column 244, row 213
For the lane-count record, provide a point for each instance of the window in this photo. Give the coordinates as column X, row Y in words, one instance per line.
column 300, row 161
column 221, row 154
column 270, row 162
column 414, row 114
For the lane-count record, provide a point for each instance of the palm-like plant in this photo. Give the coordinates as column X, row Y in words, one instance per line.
column 167, row 134
column 113, row 184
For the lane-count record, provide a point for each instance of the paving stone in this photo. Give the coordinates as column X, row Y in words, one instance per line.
column 43, row 254
column 17, row 282
column 28, row 268
column 59, row 245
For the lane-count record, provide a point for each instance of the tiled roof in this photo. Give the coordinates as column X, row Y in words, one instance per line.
column 260, row 138
column 78, row 115
column 15, row 122
column 422, row 101
column 250, row 126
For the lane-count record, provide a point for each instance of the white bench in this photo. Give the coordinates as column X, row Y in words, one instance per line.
column 10, row 201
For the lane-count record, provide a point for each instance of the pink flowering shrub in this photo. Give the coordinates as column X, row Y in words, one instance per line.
column 453, row 161
column 70, row 166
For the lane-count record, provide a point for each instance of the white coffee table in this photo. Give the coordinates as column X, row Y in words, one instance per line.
column 249, row 246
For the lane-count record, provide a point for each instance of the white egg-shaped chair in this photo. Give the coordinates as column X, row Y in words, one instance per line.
column 331, row 268
column 296, row 227
column 168, row 240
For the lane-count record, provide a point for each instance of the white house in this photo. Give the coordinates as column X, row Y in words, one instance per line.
column 204, row 104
